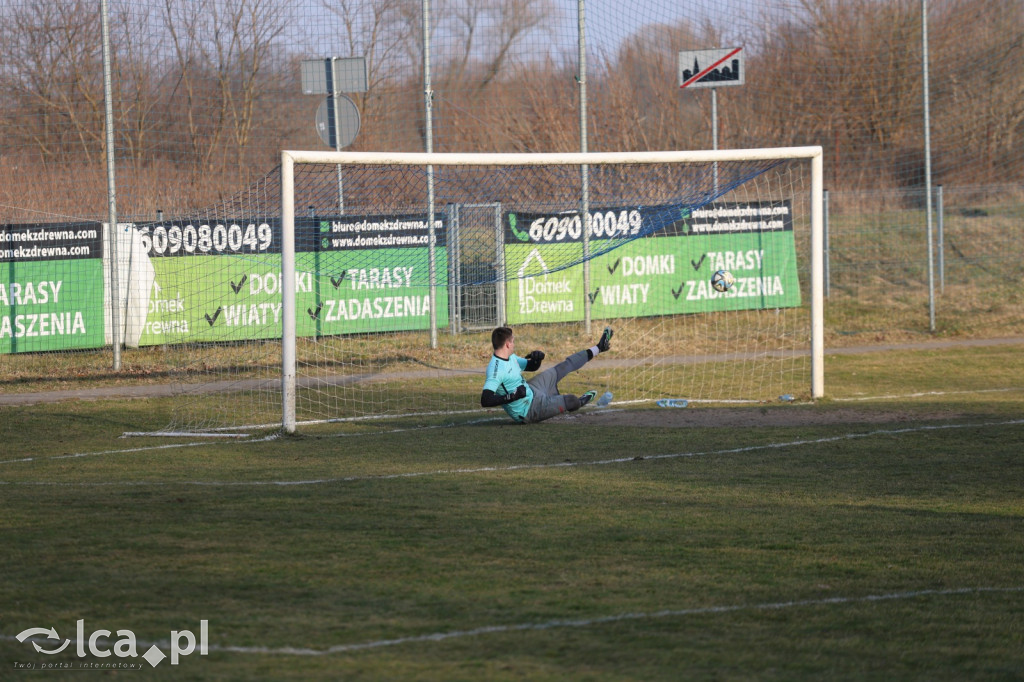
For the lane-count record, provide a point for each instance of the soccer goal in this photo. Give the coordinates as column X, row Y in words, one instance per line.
column 372, row 292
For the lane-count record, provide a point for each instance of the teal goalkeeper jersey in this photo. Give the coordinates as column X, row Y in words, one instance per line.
column 504, row 377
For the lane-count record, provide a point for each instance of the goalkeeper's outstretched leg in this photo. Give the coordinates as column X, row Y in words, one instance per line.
column 537, row 399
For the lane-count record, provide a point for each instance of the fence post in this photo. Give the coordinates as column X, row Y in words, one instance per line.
column 940, row 211
column 428, row 104
column 927, row 164
column 581, row 41
column 108, row 124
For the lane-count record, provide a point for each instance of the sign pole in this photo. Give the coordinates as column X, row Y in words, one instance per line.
column 714, row 133
column 334, row 76
column 337, row 131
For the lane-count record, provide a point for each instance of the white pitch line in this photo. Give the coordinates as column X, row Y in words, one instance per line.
column 926, row 394
column 146, row 448
column 523, row 467
column 603, row 620
column 264, row 439
column 580, row 622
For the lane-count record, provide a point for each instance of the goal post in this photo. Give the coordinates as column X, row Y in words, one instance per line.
column 288, row 327
column 643, row 180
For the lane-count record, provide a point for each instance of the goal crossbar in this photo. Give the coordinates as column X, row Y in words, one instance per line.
column 548, row 158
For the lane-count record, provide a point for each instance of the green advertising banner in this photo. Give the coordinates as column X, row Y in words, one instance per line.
column 556, row 296
column 236, row 295
column 214, row 298
column 665, row 273
column 353, row 298
column 51, row 287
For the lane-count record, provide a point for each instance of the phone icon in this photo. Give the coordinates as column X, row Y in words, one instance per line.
column 519, row 234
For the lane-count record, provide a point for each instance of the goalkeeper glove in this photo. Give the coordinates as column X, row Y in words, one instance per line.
column 519, row 394
column 533, row 361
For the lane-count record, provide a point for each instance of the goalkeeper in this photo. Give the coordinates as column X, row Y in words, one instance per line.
column 537, row 399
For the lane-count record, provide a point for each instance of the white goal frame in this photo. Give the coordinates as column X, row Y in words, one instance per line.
column 583, row 160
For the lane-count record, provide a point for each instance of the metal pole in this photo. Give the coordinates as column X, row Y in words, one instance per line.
column 454, row 258
column 428, row 102
column 108, row 124
column 337, row 137
column 499, row 238
column 941, row 247
column 714, row 132
column 585, row 168
column 928, row 165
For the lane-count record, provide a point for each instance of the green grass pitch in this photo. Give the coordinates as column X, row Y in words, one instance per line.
column 876, row 538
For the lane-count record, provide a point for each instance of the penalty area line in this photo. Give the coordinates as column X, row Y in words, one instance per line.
column 616, row 618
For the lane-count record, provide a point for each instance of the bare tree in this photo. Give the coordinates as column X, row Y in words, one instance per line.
column 243, row 53
column 513, row 21
column 845, row 75
column 474, row 43
column 183, row 24
column 478, row 38
column 983, row 94
column 138, row 87
column 368, row 30
column 222, row 49
column 641, row 106
column 52, row 76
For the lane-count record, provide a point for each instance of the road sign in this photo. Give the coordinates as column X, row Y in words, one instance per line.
column 348, row 121
column 350, row 75
column 711, row 68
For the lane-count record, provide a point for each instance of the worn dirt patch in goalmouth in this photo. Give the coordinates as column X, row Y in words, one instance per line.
column 791, row 415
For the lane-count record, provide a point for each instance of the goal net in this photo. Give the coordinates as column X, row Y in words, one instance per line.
column 352, row 287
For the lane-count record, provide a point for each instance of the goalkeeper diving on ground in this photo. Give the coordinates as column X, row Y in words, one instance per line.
column 538, row 399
